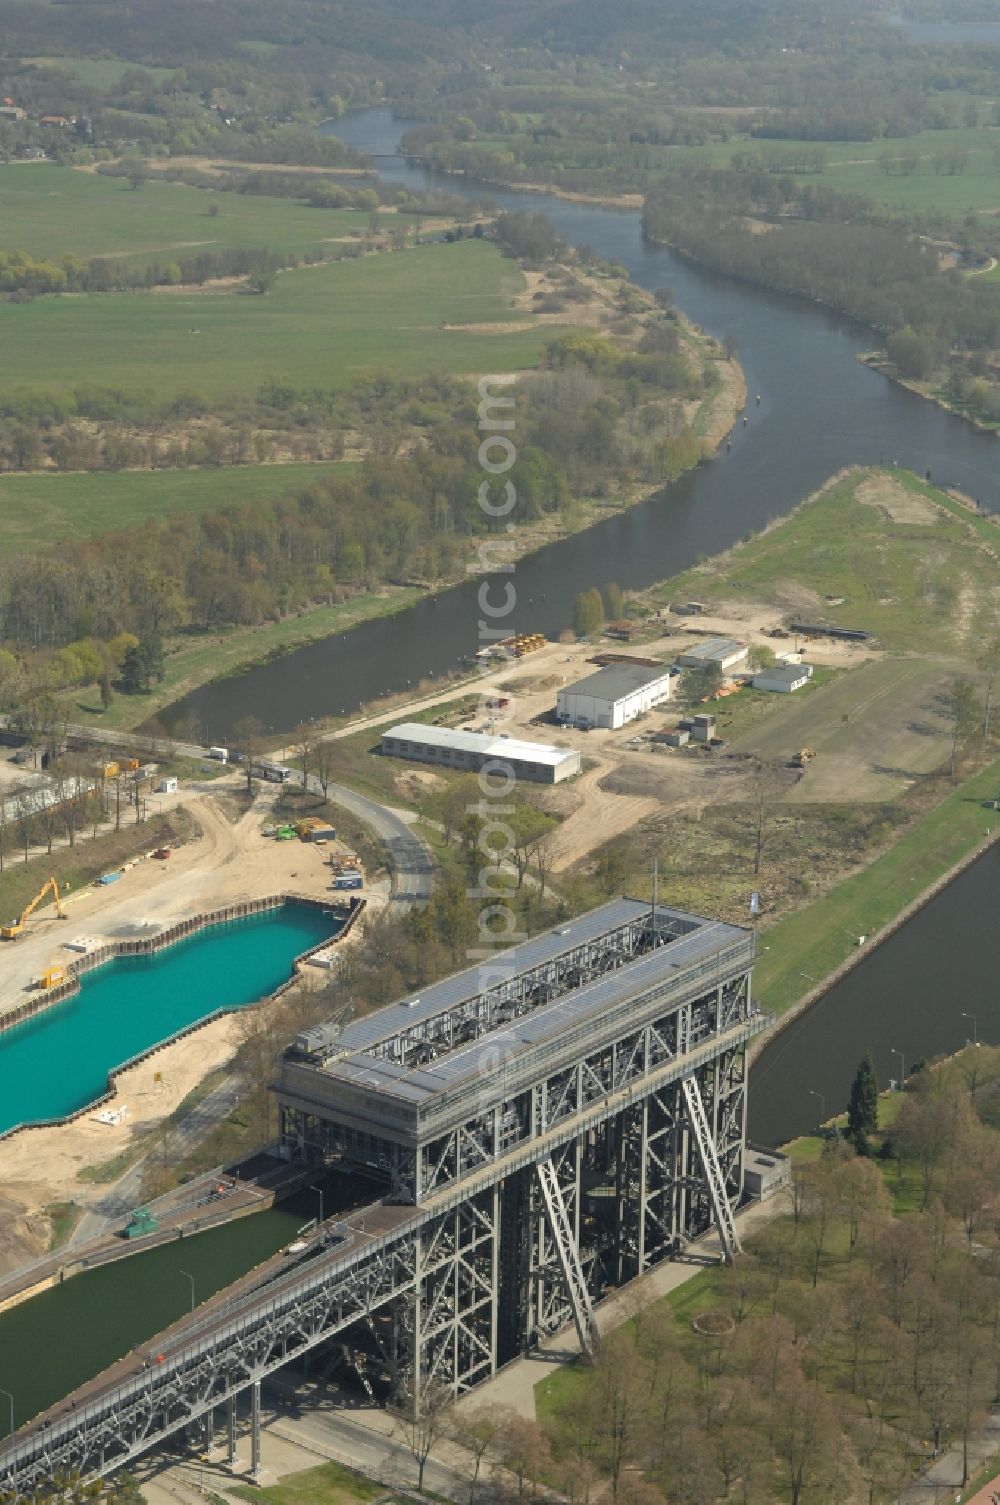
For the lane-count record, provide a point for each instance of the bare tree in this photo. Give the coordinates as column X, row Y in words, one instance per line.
column 523, row 1450
column 529, row 825
column 477, row 1432
column 617, row 1403
column 428, row 1418
column 24, row 807
column 247, row 735
column 545, row 855
column 324, row 764
column 963, row 707
column 763, row 787
column 305, row 743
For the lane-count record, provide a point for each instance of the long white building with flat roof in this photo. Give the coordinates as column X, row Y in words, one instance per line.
column 470, row 751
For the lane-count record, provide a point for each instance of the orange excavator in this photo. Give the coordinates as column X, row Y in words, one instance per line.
column 15, row 929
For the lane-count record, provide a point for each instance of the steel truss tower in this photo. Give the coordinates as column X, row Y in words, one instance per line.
column 549, row 1125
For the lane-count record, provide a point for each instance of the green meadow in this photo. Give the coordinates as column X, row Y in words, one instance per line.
column 98, row 72
column 39, row 510
column 319, row 325
column 52, row 211
column 854, row 167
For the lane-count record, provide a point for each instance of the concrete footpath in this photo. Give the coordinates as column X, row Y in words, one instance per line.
column 942, row 1482
column 299, row 1432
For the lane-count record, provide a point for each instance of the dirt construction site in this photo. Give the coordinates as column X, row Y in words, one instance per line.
column 877, row 724
column 226, row 860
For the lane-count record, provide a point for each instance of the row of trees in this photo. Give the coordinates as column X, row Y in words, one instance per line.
column 580, row 422
column 848, row 1346
column 833, row 254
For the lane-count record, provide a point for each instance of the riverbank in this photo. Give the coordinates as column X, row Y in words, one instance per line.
column 877, row 360
column 826, row 936
column 568, row 195
column 196, row 661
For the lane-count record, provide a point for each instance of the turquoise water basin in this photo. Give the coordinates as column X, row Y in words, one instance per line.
column 58, row 1062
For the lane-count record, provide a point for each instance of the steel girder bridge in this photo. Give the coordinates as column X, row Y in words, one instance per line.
column 550, row 1125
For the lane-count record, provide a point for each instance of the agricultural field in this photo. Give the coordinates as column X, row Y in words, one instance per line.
column 98, row 72
column 321, row 324
column 850, row 166
column 38, row 510
column 52, row 211
column 854, row 166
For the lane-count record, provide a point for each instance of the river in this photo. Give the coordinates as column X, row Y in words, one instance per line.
column 820, row 410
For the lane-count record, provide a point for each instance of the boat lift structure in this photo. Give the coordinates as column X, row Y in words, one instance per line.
column 549, row 1123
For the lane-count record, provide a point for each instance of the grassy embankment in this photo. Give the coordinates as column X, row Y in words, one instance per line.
column 75, row 868
column 193, row 660
column 819, row 937
column 838, row 862
column 328, row 1484
column 890, row 587
column 904, row 575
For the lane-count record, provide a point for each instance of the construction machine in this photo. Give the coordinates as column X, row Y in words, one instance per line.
column 15, row 929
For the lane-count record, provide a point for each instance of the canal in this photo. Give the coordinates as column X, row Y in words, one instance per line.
column 924, row 992
column 820, row 410
column 92, row 1320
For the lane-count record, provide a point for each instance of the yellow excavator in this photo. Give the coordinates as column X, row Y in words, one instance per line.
column 15, row 929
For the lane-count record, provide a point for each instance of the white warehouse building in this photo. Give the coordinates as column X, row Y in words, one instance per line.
column 614, row 696
column 470, row 751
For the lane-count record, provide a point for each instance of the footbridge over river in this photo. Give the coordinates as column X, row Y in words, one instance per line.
column 550, row 1124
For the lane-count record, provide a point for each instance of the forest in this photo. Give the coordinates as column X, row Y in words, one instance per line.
column 856, row 1338
column 597, row 413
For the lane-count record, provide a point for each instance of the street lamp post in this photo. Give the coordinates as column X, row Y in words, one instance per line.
column 191, row 1279
column 975, row 1026
column 11, row 1400
column 822, row 1104
column 319, row 1192
column 902, row 1065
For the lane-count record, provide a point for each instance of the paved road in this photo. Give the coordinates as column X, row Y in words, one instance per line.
column 412, row 864
column 369, row 1448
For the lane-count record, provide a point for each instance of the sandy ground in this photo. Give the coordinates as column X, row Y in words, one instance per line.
column 223, row 166
column 896, row 502
column 229, row 861
column 591, row 814
column 15, row 776
column 40, row 1166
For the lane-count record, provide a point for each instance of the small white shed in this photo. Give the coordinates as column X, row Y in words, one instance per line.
column 784, row 678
